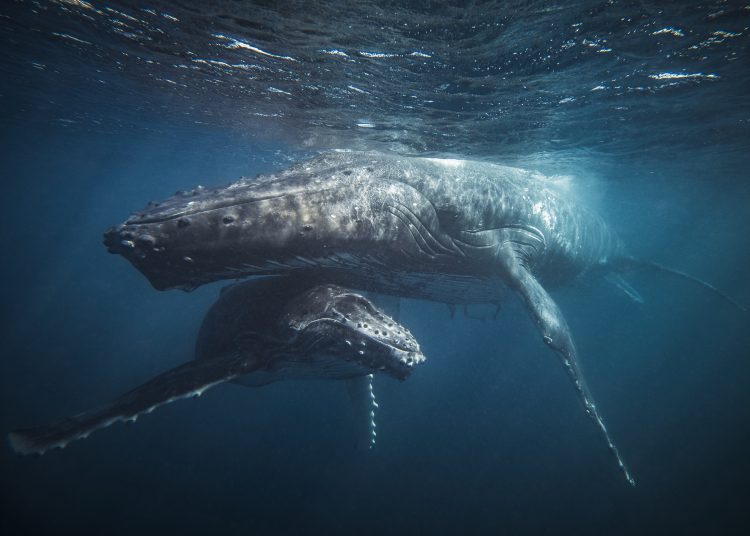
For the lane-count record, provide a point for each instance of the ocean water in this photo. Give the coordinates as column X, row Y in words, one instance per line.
column 642, row 108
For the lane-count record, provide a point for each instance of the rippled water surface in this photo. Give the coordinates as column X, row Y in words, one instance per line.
column 477, row 79
column 640, row 110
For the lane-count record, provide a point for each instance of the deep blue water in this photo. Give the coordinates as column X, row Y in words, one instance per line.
column 487, row 436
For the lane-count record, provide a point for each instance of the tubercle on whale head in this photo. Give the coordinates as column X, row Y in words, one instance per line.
column 352, row 329
column 273, row 225
column 225, row 233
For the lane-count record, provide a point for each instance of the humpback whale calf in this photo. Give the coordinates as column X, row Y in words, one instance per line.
column 453, row 231
column 270, row 330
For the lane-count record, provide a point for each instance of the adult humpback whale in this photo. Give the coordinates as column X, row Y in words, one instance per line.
column 255, row 334
column 444, row 230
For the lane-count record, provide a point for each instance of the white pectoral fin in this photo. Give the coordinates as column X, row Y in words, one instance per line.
column 556, row 334
column 362, row 396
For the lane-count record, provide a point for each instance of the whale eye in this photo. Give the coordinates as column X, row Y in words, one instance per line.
column 447, row 217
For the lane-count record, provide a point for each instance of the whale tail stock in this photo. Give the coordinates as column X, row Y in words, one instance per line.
column 633, row 263
column 187, row 380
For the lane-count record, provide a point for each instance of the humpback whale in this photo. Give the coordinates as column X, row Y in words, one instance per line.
column 256, row 333
column 453, row 231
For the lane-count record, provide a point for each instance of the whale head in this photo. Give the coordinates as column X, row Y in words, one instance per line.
column 317, row 215
column 342, row 334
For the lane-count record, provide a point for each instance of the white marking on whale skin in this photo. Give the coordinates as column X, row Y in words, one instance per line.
column 305, row 261
column 276, row 264
column 447, row 162
column 374, row 405
column 540, row 209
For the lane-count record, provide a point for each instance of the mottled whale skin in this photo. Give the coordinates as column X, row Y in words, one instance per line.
column 257, row 333
column 376, row 216
column 452, row 231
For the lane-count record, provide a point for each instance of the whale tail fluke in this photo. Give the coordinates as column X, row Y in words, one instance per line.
column 632, row 263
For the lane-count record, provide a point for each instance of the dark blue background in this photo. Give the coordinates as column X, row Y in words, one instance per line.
column 488, row 435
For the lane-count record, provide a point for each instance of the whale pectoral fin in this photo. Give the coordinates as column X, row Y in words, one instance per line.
column 362, row 395
column 190, row 379
column 556, row 335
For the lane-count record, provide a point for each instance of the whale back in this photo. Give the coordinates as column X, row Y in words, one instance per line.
column 246, row 312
